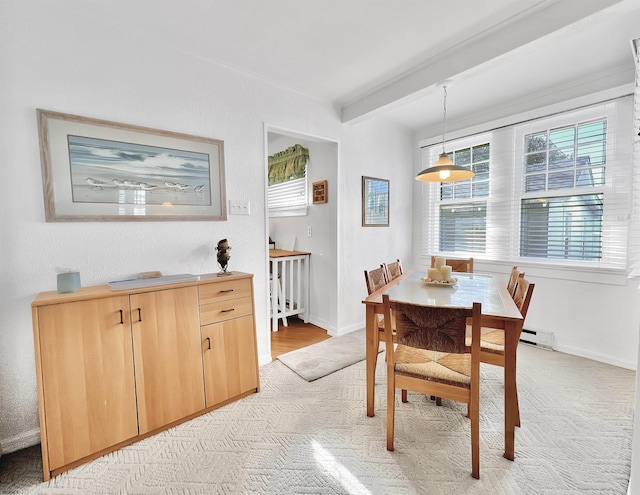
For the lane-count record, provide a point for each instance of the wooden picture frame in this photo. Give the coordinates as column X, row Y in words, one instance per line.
column 319, row 192
column 97, row 170
column 375, row 202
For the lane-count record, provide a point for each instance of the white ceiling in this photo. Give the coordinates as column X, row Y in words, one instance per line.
column 386, row 57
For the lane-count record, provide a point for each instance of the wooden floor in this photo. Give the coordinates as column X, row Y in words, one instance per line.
column 298, row 334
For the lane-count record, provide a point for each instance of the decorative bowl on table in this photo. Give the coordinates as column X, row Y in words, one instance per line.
column 439, row 283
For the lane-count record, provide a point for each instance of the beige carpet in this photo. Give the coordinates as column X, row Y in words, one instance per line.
column 299, row 437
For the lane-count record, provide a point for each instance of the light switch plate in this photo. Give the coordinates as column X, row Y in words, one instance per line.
column 239, row 207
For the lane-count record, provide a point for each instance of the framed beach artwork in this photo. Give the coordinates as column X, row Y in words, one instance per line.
column 96, row 170
column 375, row 202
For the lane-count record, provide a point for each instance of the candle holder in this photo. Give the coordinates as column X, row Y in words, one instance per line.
column 223, row 257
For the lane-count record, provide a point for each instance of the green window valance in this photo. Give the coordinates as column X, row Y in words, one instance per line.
column 288, row 164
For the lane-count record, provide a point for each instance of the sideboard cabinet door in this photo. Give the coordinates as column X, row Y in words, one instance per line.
column 230, row 367
column 168, row 356
column 88, row 377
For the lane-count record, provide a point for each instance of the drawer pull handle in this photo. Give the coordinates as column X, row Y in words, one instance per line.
column 227, row 310
column 121, row 317
column 228, row 290
column 139, row 315
column 208, row 343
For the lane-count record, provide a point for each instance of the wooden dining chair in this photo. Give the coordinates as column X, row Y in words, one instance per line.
column 432, row 358
column 459, row 265
column 393, row 270
column 492, row 339
column 513, row 279
column 375, row 279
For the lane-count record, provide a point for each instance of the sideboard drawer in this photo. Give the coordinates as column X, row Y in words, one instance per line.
column 225, row 310
column 222, row 291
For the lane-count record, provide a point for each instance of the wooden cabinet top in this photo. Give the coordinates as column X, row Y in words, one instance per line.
column 101, row 291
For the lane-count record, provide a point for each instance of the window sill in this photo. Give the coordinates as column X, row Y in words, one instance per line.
column 600, row 276
column 291, row 212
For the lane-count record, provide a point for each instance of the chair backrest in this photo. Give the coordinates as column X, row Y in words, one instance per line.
column 522, row 295
column 432, row 328
column 457, row 264
column 393, row 270
column 513, row 280
column 375, row 279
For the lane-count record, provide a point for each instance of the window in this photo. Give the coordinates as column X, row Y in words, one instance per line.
column 556, row 190
column 565, row 227
column 569, row 158
column 463, row 221
column 287, row 193
column 463, row 228
column 476, row 158
column 565, row 158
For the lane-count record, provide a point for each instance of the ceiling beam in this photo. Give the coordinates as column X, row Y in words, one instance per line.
column 494, row 42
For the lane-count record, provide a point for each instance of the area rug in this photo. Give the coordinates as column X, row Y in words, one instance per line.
column 326, row 357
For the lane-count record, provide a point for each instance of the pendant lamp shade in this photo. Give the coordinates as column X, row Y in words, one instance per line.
column 444, row 170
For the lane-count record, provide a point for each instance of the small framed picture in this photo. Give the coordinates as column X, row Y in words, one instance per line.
column 319, row 192
column 375, row 202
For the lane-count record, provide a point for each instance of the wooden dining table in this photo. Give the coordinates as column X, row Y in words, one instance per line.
column 498, row 311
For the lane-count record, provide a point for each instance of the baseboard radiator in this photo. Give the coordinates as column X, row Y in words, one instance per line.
column 537, row 338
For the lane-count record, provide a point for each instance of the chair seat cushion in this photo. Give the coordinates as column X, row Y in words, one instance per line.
column 491, row 340
column 450, row 369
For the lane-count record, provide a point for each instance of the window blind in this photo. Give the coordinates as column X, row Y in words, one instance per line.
column 564, row 227
column 290, row 195
column 287, row 192
column 463, row 228
column 634, row 234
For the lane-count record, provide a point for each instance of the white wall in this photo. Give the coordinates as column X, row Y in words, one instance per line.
column 634, row 480
column 322, row 165
column 52, row 57
column 378, row 149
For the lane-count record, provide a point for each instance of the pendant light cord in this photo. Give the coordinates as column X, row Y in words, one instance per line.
column 444, row 117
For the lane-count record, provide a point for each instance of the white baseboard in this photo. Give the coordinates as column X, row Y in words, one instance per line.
column 349, row 329
column 19, row 442
column 602, row 358
column 324, row 324
column 264, row 359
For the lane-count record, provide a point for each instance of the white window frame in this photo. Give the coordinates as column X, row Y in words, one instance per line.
column 614, row 240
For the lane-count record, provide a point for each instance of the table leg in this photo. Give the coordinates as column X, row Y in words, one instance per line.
column 372, row 357
column 512, row 335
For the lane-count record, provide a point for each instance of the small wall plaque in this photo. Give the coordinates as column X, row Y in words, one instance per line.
column 320, row 192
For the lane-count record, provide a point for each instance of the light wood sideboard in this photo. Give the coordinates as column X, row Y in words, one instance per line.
column 115, row 367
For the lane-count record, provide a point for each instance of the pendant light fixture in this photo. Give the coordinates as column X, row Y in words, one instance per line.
column 444, row 169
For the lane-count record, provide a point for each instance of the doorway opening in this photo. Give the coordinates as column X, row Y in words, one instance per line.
column 315, row 232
